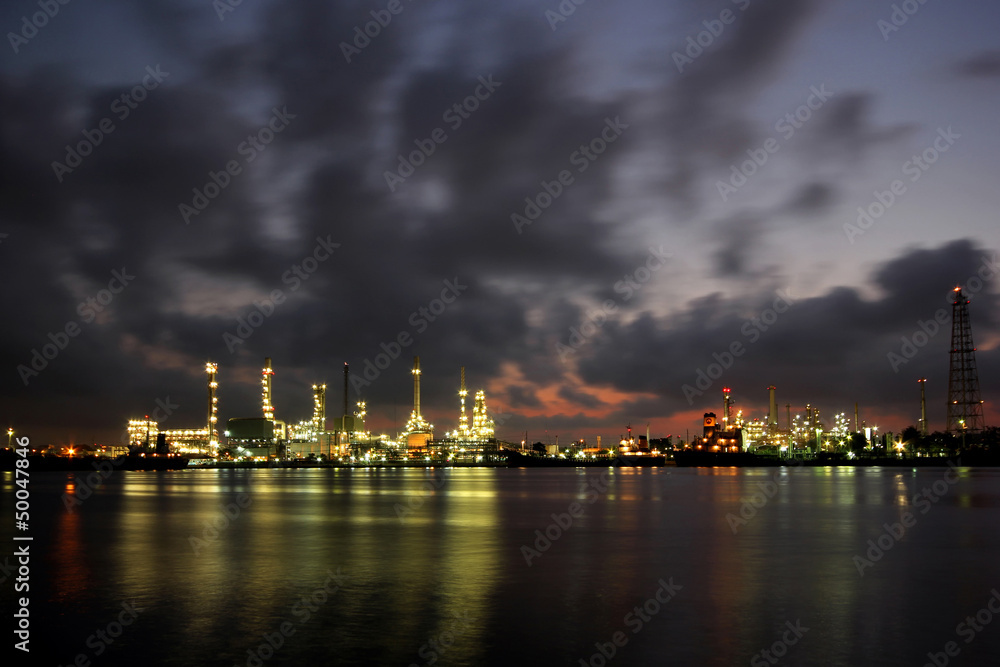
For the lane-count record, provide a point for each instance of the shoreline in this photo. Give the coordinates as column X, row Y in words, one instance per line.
column 90, row 464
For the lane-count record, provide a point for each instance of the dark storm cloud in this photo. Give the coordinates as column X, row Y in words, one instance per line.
column 830, row 349
column 820, row 157
column 176, row 310
column 922, row 273
column 173, row 25
column 812, row 199
column 323, row 177
column 846, row 125
column 34, row 113
column 739, row 237
column 520, row 397
column 984, row 65
column 709, row 126
column 584, row 400
column 705, row 101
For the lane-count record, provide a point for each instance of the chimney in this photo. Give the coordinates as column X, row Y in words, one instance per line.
column 772, row 410
column 416, row 386
column 347, row 379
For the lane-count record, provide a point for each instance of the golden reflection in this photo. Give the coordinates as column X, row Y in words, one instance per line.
column 446, row 550
column 218, row 540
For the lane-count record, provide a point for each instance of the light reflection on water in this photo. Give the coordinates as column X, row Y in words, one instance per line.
column 453, row 570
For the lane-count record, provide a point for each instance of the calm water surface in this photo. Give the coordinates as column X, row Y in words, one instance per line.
column 414, row 567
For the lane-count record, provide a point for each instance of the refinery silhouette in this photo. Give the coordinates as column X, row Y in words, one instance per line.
column 732, row 439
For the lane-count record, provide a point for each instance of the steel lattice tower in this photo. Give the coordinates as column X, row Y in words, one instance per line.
column 965, row 406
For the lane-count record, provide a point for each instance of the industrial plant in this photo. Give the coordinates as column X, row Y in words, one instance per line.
column 808, row 436
column 345, row 437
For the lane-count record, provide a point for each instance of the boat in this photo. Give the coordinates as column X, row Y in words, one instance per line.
column 695, row 458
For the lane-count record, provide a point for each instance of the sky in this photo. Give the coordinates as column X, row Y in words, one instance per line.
column 605, row 212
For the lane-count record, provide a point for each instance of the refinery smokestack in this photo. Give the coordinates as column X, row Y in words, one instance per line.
column 416, row 386
column 725, row 407
column 347, row 378
column 923, row 407
column 772, row 410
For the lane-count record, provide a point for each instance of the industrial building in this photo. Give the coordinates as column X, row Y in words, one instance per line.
column 145, row 434
column 418, row 432
column 344, row 437
column 252, row 436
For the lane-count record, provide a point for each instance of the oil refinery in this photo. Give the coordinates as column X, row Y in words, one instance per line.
column 810, row 437
column 473, row 440
column 345, row 437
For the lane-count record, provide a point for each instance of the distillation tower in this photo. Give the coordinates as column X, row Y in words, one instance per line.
column 417, row 432
column 319, row 411
column 482, row 425
column 211, row 426
column 267, row 398
column 463, row 419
